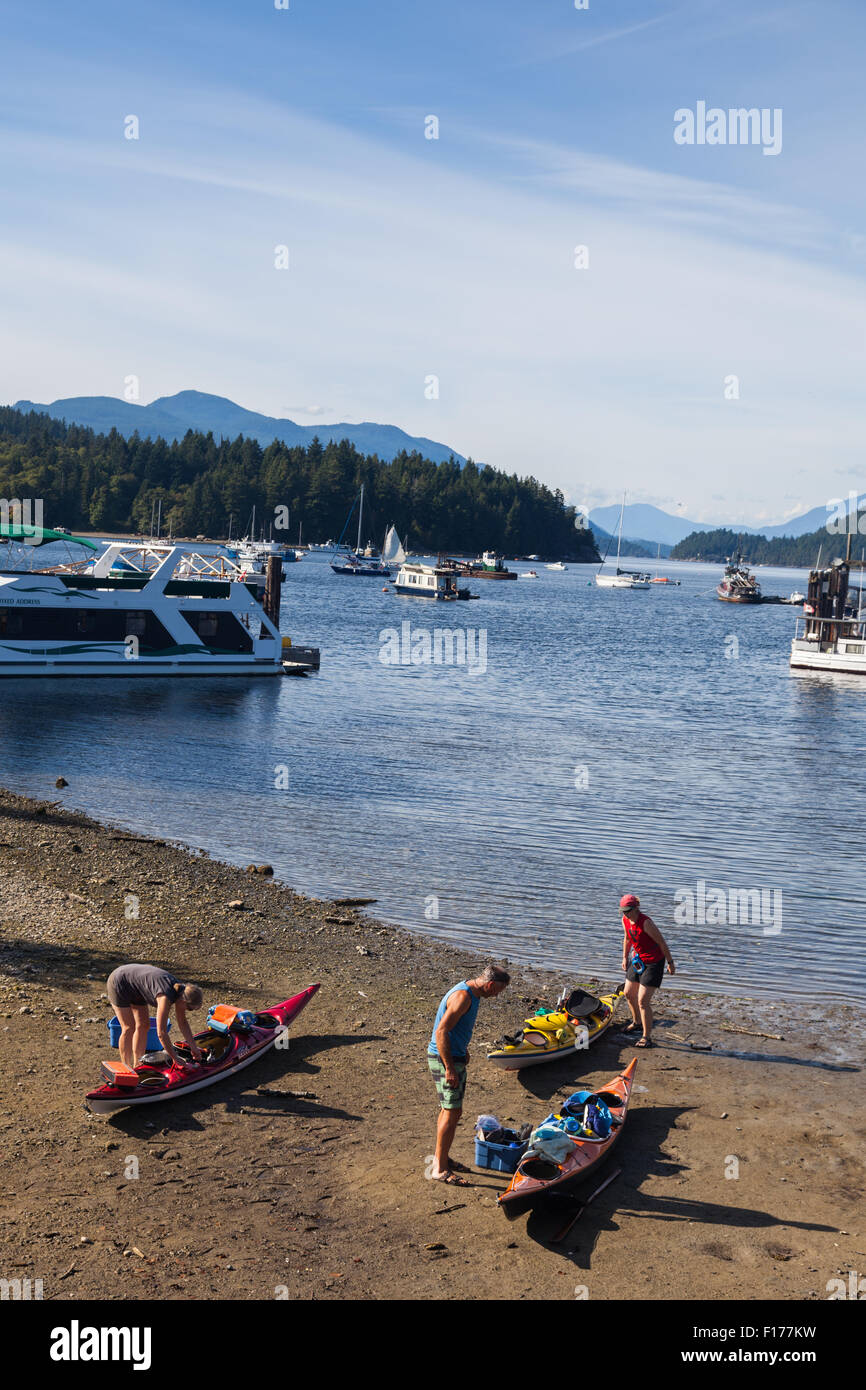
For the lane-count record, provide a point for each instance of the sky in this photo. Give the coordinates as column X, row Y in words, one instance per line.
column 704, row 352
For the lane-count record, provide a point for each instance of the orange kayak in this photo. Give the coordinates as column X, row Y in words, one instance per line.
column 536, row 1176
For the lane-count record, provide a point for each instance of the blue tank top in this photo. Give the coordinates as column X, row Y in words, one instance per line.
column 462, row 1030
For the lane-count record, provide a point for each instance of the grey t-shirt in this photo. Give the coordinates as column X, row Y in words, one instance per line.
column 141, row 984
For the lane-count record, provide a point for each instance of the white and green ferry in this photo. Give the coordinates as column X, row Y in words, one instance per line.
column 149, row 609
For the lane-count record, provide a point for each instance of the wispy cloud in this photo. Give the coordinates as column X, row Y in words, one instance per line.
column 578, row 45
column 453, row 259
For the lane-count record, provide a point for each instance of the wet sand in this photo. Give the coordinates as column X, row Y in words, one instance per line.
column 304, row 1176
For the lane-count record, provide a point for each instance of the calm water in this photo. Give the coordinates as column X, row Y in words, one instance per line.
column 610, row 745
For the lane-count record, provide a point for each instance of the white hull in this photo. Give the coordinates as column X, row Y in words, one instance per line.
column 137, row 611
column 810, row 657
column 620, row 581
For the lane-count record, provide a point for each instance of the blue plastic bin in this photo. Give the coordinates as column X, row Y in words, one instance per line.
column 502, row 1158
column 153, row 1042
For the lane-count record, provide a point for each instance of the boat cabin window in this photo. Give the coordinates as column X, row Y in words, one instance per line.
column 10, row 622
column 47, row 624
column 219, row 631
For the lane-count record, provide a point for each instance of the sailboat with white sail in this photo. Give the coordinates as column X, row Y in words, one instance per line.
column 354, row 561
column 621, row 579
column 393, row 553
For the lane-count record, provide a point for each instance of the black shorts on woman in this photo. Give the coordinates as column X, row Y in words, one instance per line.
column 652, row 974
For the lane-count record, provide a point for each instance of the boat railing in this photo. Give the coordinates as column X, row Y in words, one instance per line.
column 829, row 629
column 147, row 558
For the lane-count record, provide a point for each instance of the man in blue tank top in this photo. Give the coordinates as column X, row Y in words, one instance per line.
column 448, row 1056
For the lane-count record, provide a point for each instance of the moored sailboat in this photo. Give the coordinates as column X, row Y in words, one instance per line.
column 353, row 561
column 620, row 579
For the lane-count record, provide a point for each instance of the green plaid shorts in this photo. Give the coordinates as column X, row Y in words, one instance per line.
column 450, row 1097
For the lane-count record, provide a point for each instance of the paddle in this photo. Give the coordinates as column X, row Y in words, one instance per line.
column 560, row 1236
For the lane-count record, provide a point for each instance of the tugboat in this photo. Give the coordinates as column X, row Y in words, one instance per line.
column 831, row 636
column 739, row 585
column 490, row 566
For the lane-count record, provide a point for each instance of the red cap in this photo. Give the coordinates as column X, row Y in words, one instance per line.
column 628, row 900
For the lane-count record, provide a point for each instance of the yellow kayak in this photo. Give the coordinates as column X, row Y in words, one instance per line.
column 578, row 1019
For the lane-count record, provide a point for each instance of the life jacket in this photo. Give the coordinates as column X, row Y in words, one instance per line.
column 223, row 1018
column 642, row 944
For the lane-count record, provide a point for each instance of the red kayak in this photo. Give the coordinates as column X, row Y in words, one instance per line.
column 227, row 1052
column 536, row 1176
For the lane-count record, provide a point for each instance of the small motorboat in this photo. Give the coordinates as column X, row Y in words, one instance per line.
column 557, row 565
column 537, row 1177
column 528, row 574
column 233, row 1040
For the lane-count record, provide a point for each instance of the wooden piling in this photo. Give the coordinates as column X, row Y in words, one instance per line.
column 273, row 584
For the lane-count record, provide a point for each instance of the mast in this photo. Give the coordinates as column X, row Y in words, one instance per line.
column 360, row 519
column 619, row 533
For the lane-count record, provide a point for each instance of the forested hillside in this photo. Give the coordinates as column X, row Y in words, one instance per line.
column 802, row 551
column 104, row 482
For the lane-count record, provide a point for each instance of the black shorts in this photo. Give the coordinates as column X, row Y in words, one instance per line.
column 652, row 974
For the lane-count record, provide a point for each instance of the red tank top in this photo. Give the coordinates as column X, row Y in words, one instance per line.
column 642, row 943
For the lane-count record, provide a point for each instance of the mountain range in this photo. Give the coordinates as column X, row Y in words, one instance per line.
column 171, row 417
column 641, row 519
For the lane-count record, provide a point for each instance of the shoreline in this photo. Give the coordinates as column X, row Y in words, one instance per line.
column 307, row 1170
column 545, row 976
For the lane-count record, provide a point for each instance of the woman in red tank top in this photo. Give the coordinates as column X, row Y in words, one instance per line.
column 644, row 953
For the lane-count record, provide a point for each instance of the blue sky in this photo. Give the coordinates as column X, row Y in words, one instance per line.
column 411, row 258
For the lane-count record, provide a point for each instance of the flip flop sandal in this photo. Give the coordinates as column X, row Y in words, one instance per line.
column 456, row 1167
column 644, row 1042
column 631, row 1028
column 453, row 1179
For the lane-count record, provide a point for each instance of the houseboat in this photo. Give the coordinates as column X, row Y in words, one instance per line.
column 831, row 635
column 150, row 609
column 427, row 581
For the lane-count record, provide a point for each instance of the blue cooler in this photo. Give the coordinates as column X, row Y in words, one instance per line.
column 153, row 1042
column 502, row 1158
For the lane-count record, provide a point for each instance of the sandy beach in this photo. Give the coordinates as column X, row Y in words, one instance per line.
column 305, row 1175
